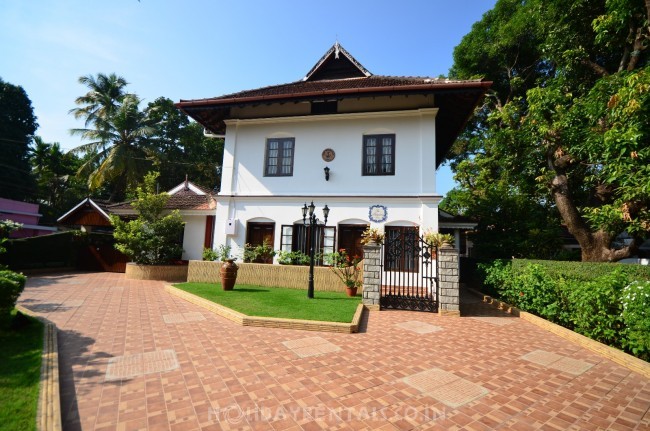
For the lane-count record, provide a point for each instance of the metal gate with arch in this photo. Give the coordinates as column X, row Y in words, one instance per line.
column 409, row 272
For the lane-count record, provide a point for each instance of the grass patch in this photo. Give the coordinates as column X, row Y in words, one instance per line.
column 21, row 347
column 278, row 302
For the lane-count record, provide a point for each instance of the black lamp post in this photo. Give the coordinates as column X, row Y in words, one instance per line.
column 310, row 219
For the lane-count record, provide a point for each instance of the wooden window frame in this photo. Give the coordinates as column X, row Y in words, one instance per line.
column 378, row 163
column 280, row 158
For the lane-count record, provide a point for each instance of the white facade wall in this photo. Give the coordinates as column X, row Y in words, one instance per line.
column 247, row 195
column 193, row 237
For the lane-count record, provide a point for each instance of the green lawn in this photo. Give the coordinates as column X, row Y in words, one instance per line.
column 20, row 372
column 278, row 302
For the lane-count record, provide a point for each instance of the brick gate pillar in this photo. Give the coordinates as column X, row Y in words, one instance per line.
column 448, row 281
column 371, row 275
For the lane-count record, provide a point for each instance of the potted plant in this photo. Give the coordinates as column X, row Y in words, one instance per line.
column 372, row 236
column 437, row 239
column 262, row 253
column 347, row 268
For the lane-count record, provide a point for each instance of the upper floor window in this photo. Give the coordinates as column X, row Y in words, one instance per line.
column 379, row 155
column 279, row 157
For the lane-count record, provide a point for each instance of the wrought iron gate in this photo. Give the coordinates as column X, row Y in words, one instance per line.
column 409, row 269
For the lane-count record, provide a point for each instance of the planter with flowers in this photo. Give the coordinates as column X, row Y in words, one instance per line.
column 347, row 268
column 372, row 236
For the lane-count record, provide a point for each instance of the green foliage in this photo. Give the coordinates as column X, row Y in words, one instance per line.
column 17, row 128
column 11, row 286
column 209, row 254
column 563, row 134
column 6, row 227
column 292, row 258
column 347, row 268
column 583, row 271
column 57, row 187
column 596, row 308
column 179, row 147
column 608, row 305
column 20, row 373
column 261, row 253
column 635, row 299
column 152, row 238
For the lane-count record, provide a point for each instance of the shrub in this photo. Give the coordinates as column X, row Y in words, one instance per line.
column 583, row 270
column 11, row 286
column 222, row 253
column 209, row 254
column 262, row 253
column 292, row 258
column 610, row 307
column 151, row 239
column 635, row 300
column 596, row 308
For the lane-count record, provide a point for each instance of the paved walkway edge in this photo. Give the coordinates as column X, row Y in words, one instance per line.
column 628, row 361
column 48, row 415
column 270, row 322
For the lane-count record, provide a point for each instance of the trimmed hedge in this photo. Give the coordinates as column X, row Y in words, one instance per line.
column 609, row 303
column 11, row 286
column 584, row 271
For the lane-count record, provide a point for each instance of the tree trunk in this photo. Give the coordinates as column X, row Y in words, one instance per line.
column 596, row 246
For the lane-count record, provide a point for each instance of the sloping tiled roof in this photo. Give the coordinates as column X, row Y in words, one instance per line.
column 183, row 199
column 376, row 83
column 343, row 77
column 175, row 202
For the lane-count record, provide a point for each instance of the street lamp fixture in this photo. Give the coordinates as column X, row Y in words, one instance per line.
column 309, row 219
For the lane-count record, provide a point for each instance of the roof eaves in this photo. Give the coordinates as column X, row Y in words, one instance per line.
column 433, row 85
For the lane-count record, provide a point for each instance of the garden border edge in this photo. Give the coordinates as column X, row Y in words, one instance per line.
column 269, row 322
column 48, row 414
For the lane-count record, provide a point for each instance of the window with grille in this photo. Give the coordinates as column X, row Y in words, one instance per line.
column 297, row 237
column 279, row 157
column 379, row 155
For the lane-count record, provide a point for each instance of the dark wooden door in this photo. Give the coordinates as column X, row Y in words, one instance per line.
column 259, row 233
column 350, row 238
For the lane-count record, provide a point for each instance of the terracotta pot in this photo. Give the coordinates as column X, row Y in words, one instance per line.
column 228, row 274
column 351, row 291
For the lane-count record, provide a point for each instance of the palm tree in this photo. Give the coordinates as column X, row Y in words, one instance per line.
column 117, row 147
column 105, row 95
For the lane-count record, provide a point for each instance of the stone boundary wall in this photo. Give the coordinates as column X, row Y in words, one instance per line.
column 267, row 275
column 48, row 413
column 270, row 322
column 156, row 272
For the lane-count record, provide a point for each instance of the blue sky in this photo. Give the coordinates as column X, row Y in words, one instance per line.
column 201, row 48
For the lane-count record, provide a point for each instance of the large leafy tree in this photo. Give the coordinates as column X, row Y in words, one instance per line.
column 181, row 148
column 57, row 186
column 566, row 127
column 17, row 128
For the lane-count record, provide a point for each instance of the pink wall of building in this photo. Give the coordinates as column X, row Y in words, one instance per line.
column 25, row 213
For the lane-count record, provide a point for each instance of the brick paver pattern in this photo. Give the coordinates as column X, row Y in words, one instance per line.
column 135, row 357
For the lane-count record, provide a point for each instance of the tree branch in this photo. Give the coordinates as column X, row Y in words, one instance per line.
column 600, row 70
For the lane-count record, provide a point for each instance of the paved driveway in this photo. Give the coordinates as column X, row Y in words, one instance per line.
column 134, row 357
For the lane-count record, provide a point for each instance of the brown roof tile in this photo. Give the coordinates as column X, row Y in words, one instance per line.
column 310, row 88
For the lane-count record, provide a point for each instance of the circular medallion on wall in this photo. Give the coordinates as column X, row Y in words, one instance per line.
column 378, row 213
column 328, row 154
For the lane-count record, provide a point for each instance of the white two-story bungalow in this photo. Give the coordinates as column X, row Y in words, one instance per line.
column 365, row 145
